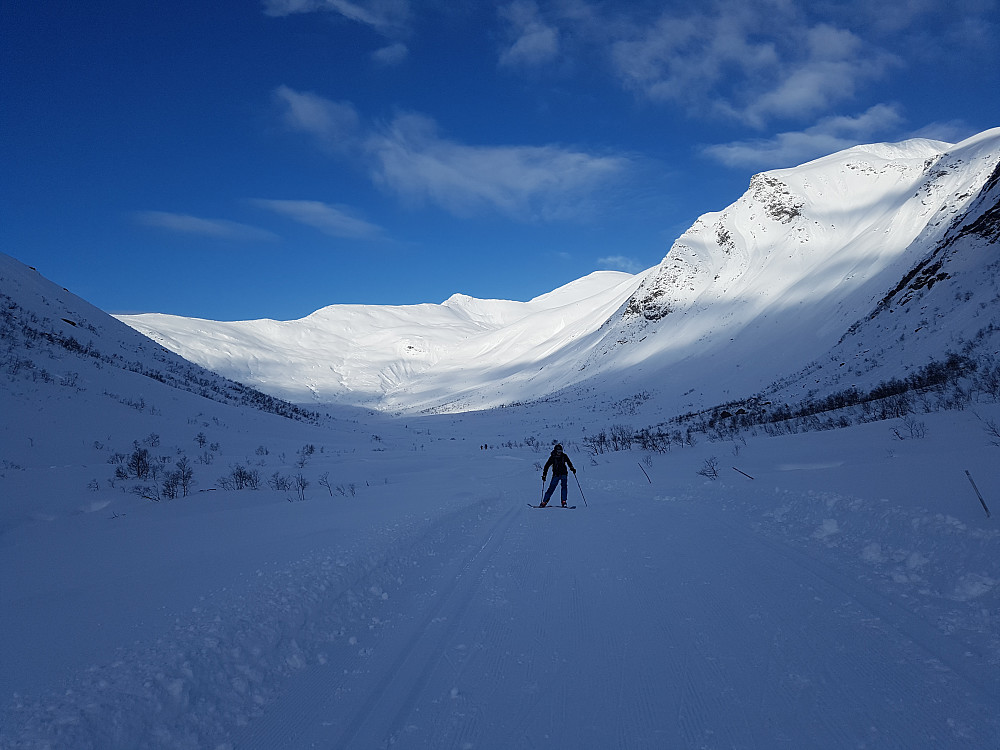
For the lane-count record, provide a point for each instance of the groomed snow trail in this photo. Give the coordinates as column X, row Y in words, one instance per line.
column 632, row 623
column 436, row 610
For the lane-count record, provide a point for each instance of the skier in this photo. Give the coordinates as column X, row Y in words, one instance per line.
column 559, row 461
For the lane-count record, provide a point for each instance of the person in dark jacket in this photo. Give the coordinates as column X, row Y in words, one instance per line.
column 559, row 462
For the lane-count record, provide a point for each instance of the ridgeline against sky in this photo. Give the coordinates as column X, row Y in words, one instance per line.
column 776, row 286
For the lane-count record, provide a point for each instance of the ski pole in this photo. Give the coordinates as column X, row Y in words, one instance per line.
column 581, row 489
column 978, row 494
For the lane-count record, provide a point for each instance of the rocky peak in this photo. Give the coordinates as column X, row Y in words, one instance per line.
column 775, row 198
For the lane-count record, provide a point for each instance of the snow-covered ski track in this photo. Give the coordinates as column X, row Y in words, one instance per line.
column 640, row 624
column 368, row 701
column 643, row 627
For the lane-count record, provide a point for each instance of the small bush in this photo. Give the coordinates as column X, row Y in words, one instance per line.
column 240, row 478
column 710, row 469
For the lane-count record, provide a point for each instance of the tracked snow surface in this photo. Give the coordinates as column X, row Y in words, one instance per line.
column 354, row 580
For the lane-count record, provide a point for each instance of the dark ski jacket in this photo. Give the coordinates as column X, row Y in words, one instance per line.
column 558, row 462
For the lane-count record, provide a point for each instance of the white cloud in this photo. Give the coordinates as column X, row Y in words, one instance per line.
column 215, row 228
column 524, row 182
column 388, row 17
column 408, row 157
column 532, row 41
column 620, row 263
column 334, row 124
column 752, row 62
column 791, row 148
column 391, row 55
column 655, row 61
column 837, row 62
column 707, row 60
column 280, row 8
column 336, row 221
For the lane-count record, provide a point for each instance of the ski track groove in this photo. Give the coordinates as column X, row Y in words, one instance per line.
column 508, row 652
column 474, row 672
column 385, row 712
column 321, row 690
column 634, row 714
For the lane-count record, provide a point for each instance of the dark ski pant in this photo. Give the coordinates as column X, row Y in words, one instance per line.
column 561, row 478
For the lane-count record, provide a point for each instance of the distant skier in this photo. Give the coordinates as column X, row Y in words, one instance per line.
column 559, row 462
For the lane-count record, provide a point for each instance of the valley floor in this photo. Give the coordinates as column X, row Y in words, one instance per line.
column 632, row 626
column 812, row 606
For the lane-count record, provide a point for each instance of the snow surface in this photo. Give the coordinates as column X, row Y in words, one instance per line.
column 372, row 354
column 846, row 596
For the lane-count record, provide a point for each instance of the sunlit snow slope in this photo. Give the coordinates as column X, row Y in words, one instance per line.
column 769, row 285
column 375, row 354
column 748, row 296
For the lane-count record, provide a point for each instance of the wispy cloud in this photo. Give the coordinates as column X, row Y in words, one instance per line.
column 750, row 61
column 836, row 64
column 531, row 40
column 754, row 62
column 336, row 221
column 409, row 157
column 334, row 125
column 526, row 182
column 388, row 17
column 791, row 148
column 949, row 131
column 392, row 54
column 215, row 228
column 280, row 8
column 620, row 263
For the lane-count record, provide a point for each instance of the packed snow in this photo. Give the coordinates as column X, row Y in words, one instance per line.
column 845, row 596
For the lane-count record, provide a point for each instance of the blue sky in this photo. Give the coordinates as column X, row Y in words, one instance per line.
column 234, row 160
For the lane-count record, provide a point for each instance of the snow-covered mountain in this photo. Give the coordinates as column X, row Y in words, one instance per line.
column 769, row 290
column 50, row 335
column 378, row 355
column 786, row 279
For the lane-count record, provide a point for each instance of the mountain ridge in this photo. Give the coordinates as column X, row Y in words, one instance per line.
column 782, row 268
column 50, row 335
column 758, row 291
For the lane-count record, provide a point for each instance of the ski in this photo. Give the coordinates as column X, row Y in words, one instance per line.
column 567, row 507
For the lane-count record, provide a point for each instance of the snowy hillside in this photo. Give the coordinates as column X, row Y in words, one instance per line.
column 947, row 301
column 768, row 287
column 746, row 298
column 50, row 335
column 378, row 355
